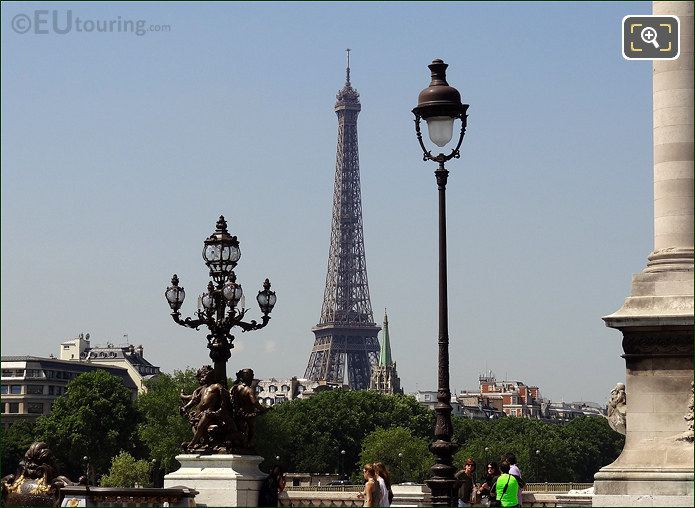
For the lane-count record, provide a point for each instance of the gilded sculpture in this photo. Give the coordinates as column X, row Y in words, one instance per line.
column 36, row 482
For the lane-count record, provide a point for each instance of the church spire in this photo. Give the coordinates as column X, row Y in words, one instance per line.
column 385, row 352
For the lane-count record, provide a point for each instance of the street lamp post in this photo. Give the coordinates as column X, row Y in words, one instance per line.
column 220, row 312
column 342, row 465
column 538, row 464
column 440, row 105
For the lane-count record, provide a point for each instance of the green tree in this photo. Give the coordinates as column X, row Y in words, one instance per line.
column 95, row 418
column 568, row 452
column 405, row 456
column 14, row 443
column 591, row 444
column 126, row 472
column 308, row 434
column 162, row 428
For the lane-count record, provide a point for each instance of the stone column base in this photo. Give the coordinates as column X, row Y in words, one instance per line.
column 646, row 487
column 221, row 480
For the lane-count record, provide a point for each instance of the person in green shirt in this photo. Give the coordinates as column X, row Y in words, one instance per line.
column 507, row 487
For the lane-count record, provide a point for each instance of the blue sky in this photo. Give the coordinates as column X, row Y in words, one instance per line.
column 119, row 151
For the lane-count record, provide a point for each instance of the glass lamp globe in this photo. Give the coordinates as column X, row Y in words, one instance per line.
column 266, row 298
column 440, row 129
column 232, row 292
column 175, row 294
column 221, row 251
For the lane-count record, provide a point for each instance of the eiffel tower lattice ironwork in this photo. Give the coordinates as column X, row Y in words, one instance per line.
column 346, row 336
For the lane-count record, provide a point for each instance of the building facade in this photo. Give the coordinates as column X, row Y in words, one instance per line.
column 496, row 399
column 514, row 398
column 272, row 391
column 126, row 356
column 29, row 385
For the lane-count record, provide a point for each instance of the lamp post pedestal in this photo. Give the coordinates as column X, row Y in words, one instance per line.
column 221, row 480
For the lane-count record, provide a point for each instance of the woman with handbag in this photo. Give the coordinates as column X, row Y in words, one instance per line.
column 487, row 492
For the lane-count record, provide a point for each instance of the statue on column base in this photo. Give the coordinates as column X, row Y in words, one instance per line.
column 223, row 421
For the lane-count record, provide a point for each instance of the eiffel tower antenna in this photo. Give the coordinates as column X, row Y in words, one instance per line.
column 347, row 70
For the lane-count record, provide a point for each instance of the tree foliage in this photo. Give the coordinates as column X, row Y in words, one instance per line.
column 14, row 442
column 162, row 428
column 95, row 418
column 405, row 456
column 567, row 452
column 126, row 472
column 308, row 434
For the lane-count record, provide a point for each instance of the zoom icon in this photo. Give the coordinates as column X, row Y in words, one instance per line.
column 651, row 37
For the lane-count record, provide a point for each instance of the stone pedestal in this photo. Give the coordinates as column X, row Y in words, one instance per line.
column 655, row 467
column 221, row 480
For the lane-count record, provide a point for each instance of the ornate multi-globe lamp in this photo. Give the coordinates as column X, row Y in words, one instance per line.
column 220, row 310
column 440, row 106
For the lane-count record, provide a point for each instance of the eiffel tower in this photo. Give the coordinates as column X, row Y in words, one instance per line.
column 346, row 335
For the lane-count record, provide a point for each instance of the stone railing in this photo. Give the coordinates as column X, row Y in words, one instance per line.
column 535, row 494
column 327, row 488
column 112, row 496
column 346, row 495
column 556, row 487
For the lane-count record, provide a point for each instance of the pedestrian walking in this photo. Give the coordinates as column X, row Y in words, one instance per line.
column 384, row 479
column 371, row 493
column 486, row 492
column 271, row 487
column 467, row 490
column 514, row 470
column 507, row 488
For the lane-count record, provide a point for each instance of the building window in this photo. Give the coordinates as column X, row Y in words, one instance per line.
column 35, row 389
column 285, row 388
column 14, row 407
column 35, row 408
column 15, row 389
column 3, row 407
column 50, row 374
column 272, row 388
column 34, row 373
column 3, row 389
column 51, row 390
column 427, row 396
column 7, row 373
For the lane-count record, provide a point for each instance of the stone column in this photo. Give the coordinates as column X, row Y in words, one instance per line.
column 655, row 467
